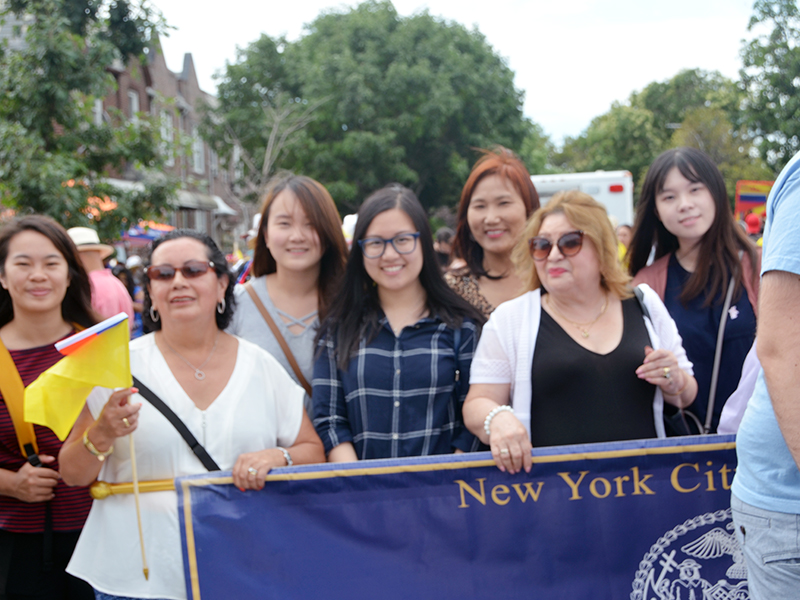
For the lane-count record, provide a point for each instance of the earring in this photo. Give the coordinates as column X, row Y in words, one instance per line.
column 154, row 316
column 221, row 305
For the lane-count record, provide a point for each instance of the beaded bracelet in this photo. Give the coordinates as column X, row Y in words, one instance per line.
column 492, row 414
column 287, row 456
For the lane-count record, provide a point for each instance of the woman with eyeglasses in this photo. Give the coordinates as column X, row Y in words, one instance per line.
column 394, row 353
column 234, row 398
column 580, row 357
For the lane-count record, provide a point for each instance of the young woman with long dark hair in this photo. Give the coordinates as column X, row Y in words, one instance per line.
column 45, row 296
column 395, row 350
column 685, row 217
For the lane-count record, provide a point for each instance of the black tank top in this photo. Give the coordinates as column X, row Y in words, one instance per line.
column 579, row 396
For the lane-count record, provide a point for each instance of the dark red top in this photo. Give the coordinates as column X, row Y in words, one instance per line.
column 71, row 505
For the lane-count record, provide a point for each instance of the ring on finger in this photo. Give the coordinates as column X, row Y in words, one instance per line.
column 504, row 451
column 252, row 471
column 667, row 374
column 126, row 422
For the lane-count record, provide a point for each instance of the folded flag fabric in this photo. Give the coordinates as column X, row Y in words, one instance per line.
column 95, row 357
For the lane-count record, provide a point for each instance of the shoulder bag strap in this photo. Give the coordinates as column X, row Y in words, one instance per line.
column 165, row 410
column 14, row 394
column 718, row 356
column 276, row 332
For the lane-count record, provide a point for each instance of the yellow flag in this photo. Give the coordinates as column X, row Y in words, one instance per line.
column 100, row 358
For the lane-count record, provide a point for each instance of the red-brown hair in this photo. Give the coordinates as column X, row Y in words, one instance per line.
column 495, row 161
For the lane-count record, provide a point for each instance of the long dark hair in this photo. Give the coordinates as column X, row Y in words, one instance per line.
column 215, row 255
column 321, row 212
column 718, row 258
column 355, row 312
column 496, row 161
column 76, row 307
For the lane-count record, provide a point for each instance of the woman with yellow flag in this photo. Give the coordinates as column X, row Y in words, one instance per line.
column 228, row 394
column 45, row 295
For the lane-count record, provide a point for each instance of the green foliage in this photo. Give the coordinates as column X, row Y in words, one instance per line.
column 53, row 159
column 622, row 138
column 394, row 99
column 771, row 78
column 709, row 130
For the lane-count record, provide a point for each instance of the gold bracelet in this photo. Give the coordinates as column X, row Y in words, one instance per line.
column 683, row 389
column 87, row 443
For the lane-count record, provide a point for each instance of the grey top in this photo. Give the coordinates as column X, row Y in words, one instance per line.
column 248, row 323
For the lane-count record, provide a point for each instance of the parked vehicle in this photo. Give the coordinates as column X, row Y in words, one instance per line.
column 614, row 189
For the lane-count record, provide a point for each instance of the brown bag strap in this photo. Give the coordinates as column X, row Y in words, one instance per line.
column 14, row 395
column 276, row 332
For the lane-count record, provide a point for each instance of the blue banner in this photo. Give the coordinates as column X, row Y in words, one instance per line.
column 643, row 520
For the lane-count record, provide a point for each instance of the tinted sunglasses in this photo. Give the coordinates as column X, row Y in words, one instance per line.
column 190, row 270
column 568, row 244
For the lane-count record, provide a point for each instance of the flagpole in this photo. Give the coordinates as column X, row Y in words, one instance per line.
column 145, row 570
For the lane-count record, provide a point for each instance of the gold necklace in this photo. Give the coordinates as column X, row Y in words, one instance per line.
column 582, row 327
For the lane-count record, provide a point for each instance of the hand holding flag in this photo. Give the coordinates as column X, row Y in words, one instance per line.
column 95, row 357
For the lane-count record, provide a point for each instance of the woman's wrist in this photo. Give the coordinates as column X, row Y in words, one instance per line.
column 682, row 388
column 100, row 440
column 487, row 422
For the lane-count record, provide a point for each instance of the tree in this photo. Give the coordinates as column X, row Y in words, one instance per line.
column 53, row 157
column 771, row 78
column 622, row 138
column 709, row 130
column 396, row 99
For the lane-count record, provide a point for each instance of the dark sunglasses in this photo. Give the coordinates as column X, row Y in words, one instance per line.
column 190, row 270
column 568, row 244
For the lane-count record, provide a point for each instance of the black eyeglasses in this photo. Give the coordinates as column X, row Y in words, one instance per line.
column 568, row 244
column 403, row 243
column 190, row 270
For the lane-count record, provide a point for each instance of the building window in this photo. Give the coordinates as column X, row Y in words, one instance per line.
column 213, row 164
column 167, row 138
column 133, row 105
column 201, row 221
column 97, row 112
column 198, row 152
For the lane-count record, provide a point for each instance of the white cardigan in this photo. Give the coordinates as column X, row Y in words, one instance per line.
column 505, row 350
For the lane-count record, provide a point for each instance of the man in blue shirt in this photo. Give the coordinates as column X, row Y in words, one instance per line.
column 766, row 489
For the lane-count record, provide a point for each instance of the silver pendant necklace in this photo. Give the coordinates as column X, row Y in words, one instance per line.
column 199, row 374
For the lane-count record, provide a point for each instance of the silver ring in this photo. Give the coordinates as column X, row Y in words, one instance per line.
column 126, row 422
column 504, row 451
column 252, row 471
column 667, row 374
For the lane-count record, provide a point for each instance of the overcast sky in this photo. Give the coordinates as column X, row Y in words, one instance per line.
column 572, row 59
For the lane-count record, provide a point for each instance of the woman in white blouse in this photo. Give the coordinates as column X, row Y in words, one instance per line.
column 233, row 396
column 578, row 358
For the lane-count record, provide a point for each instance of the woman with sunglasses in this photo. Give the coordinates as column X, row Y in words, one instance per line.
column 395, row 350
column 579, row 358
column 702, row 256
column 497, row 199
column 297, row 267
column 45, row 295
column 234, row 397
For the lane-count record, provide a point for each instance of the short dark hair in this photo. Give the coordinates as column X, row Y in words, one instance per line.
column 355, row 311
column 215, row 255
column 495, row 161
column 76, row 307
column 718, row 259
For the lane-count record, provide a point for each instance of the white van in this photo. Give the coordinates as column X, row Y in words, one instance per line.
column 614, row 189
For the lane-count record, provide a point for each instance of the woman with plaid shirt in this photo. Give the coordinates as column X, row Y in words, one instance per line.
column 392, row 369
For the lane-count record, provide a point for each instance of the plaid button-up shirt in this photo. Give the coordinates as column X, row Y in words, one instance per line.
column 399, row 395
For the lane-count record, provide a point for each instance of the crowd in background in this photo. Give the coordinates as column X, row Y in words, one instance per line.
column 525, row 326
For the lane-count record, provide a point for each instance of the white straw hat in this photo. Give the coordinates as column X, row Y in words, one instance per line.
column 86, row 238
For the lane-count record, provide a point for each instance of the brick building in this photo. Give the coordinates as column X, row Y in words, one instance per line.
column 205, row 198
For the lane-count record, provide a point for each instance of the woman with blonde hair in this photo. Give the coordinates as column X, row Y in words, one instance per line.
column 580, row 357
